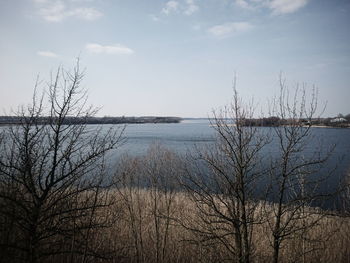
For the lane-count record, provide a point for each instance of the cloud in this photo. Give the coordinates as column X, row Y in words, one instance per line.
column 228, row 29
column 187, row 7
column 117, row 49
column 243, row 4
column 40, row 1
column 286, row 6
column 58, row 10
column 191, row 7
column 53, row 12
column 170, row 6
column 278, row 7
column 48, row 54
column 86, row 13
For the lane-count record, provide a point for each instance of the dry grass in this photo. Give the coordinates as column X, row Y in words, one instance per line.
column 131, row 234
column 138, row 227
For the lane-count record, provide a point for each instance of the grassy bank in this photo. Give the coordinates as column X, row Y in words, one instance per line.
column 145, row 228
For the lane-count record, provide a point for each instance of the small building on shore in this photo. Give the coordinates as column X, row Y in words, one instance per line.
column 338, row 120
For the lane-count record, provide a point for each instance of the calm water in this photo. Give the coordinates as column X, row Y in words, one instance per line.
column 182, row 137
column 179, row 137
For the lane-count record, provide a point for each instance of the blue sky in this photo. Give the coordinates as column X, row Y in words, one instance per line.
column 178, row 58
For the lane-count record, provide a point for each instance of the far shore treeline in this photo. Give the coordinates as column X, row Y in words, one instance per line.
column 340, row 121
column 96, row 120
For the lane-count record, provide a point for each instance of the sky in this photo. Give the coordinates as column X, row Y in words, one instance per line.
column 178, row 57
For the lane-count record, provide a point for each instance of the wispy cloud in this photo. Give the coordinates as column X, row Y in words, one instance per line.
column 278, row 7
column 48, row 54
column 186, row 7
column 117, row 49
column 40, row 1
column 191, row 7
column 228, row 29
column 243, row 4
column 286, row 6
column 170, row 6
column 86, row 13
column 58, row 10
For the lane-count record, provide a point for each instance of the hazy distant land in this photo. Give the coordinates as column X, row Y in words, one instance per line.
column 337, row 122
column 4, row 120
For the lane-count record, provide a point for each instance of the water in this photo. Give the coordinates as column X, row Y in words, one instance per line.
column 183, row 137
column 179, row 137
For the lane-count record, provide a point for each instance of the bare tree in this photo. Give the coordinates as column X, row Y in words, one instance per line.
column 295, row 182
column 51, row 175
column 224, row 192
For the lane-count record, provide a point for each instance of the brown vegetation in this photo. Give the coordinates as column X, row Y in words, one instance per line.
column 328, row 240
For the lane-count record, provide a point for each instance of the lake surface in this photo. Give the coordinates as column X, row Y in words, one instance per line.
column 183, row 137
column 179, row 137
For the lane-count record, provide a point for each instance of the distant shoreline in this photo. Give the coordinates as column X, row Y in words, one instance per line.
column 313, row 123
column 15, row 120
